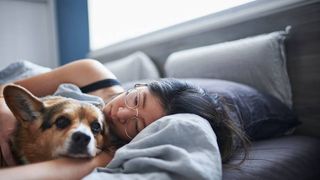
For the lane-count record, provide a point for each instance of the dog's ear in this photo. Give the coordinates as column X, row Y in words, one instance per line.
column 23, row 104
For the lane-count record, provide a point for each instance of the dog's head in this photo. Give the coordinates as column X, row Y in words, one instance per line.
column 55, row 126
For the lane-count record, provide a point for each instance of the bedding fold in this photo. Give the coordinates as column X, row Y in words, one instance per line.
column 164, row 150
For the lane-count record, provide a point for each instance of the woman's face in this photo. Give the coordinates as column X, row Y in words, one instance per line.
column 130, row 112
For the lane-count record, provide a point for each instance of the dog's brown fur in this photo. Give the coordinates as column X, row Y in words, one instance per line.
column 54, row 126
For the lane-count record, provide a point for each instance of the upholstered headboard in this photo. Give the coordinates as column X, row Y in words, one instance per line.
column 262, row 16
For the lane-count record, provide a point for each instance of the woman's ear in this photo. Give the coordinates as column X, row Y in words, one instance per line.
column 23, row 104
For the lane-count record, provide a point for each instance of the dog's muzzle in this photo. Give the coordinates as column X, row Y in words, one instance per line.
column 79, row 143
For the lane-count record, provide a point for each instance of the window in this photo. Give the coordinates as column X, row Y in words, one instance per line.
column 113, row 21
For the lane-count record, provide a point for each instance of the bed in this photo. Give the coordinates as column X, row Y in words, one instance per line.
column 231, row 45
column 264, row 46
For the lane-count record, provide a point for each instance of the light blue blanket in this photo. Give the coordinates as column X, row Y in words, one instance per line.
column 181, row 146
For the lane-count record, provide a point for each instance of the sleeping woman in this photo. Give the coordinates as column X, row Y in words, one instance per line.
column 171, row 129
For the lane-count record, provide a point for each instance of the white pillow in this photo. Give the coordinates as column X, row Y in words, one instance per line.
column 257, row 61
column 136, row 66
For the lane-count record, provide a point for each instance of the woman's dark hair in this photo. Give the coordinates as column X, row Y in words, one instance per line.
column 180, row 97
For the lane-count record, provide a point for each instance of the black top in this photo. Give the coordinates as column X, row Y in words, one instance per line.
column 99, row 85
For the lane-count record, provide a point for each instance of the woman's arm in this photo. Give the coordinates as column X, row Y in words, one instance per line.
column 80, row 73
column 63, row 168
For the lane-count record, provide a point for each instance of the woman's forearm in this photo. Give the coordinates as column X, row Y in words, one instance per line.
column 64, row 168
column 80, row 73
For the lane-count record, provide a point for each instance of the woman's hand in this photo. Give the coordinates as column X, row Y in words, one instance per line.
column 103, row 158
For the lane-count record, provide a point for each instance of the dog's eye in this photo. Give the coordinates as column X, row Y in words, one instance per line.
column 95, row 127
column 62, row 122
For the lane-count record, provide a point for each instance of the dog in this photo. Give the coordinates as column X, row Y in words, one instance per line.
column 54, row 126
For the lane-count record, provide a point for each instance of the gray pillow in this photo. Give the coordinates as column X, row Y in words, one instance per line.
column 260, row 115
column 257, row 61
column 133, row 67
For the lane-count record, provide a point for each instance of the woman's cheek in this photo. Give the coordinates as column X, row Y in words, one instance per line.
column 105, row 110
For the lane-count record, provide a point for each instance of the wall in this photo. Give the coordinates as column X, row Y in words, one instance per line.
column 28, row 32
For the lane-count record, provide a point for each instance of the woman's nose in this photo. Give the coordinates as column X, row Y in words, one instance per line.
column 125, row 114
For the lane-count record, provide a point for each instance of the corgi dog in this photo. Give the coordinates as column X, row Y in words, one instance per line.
column 54, row 126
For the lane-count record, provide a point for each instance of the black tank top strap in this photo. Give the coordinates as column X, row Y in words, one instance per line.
column 105, row 83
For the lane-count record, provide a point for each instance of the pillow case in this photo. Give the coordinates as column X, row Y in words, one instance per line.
column 133, row 67
column 257, row 61
column 260, row 115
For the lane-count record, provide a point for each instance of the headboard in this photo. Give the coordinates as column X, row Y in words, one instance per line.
column 262, row 16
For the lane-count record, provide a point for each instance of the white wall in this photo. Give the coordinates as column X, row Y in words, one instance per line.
column 28, row 31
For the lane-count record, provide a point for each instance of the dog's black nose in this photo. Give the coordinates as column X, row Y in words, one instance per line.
column 80, row 139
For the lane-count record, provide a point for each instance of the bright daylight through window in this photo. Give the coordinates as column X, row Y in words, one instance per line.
column 113, row 21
